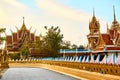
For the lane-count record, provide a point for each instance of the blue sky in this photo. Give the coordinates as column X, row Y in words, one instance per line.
column 72, row 16
column 103, row 8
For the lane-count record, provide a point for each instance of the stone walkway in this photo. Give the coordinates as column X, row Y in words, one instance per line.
column 33, row 74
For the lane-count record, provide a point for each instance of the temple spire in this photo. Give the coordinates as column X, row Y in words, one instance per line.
column 93, row 12
column 23, row 19
column 114, row 13
column 23, row 26
column 107, row 29
column 94, row 18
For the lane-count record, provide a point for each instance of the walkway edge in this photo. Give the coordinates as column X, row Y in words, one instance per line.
column 64, row 73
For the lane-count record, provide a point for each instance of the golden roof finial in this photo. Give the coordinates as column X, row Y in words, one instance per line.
column 23, row 26
column 93, row 12
column 94, row 18
column 114, row 13
column 23, row 19
column 107, row 27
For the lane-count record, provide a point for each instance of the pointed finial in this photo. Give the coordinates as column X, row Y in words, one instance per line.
column 11, row 30
column 23, row 19
column 114, row 13
column 30, row 28
column 16, row 28
column 107, row 27
column 35, row 31
column 93, row 12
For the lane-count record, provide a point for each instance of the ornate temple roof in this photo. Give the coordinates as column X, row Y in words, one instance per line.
column 94, row 23
column 107, row 40
column 17, row 39
column 9, row 39
column 23, row 28
column 113, row 48
column 103, row 41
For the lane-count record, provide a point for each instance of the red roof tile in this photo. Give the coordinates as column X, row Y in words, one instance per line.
column 20, row 33
column 14, row 37
column 113, row 48
column 9, row 39
column 107, row 40
column 32, row 37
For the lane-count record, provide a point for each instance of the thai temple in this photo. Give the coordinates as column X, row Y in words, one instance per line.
column 105, row 44
column 103, row 48
column 23, row 36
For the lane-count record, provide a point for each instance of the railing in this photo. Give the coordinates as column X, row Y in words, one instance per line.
column 100, row 68
column 26, row 61
column 74, row 51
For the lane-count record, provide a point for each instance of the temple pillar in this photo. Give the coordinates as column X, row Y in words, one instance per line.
column 4, row 60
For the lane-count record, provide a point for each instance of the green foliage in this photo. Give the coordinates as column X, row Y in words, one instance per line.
column 65, row 45
column 53, row 40
column 81, row 47
column 24, row 51
column 74, row 46
column 2, row 30
column 15, row 56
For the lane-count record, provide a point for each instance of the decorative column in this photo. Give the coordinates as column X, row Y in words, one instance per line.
column 4, row 59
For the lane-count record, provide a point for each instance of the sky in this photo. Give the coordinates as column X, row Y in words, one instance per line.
column 72, row 16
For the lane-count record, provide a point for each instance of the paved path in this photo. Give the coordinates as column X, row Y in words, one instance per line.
column 41, row 68
column 33, row 74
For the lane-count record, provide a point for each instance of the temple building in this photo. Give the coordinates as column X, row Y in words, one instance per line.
column 110, row 39
column 107, row 44
column 23, row 36
column 94, row 28
column 103, row 48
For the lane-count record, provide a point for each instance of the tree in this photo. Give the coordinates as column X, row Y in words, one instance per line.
column 24, row 49
column 53, row 40
column 2, row 30
column 81, row 47
column 24, row 52
column 74, row 46
column 65, row 45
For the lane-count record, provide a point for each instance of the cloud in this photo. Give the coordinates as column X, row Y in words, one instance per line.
column 3, row 16
column 74, row 23
column 52, row 7
column 15, row 3
column 9, row 9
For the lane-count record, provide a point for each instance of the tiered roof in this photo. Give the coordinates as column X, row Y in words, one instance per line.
column 16, row 40
column 110, row 40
